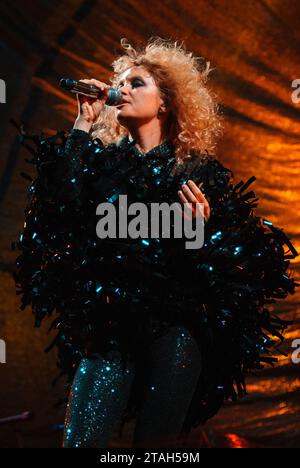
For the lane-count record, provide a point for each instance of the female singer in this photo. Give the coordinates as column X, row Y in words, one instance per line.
column 148, row 329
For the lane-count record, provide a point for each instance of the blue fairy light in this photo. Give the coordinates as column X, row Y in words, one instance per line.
column 21, row 237
column 73, row 180
column 34, row 235
column 237, row 250
column 98, row 288
column 210, row 268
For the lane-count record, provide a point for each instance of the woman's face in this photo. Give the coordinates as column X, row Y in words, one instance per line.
column 141, row 97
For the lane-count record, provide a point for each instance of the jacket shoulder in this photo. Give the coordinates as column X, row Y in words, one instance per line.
column 206, row 165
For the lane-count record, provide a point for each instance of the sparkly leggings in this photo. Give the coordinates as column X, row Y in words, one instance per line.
column 101, row 389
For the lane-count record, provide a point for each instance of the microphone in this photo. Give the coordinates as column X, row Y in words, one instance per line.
column 74, row 86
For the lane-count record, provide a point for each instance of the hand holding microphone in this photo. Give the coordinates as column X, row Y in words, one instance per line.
column 91, row 97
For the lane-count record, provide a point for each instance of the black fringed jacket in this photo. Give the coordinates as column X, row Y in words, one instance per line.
column 103, row 290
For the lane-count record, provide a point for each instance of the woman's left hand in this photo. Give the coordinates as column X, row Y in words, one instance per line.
column 191, row 193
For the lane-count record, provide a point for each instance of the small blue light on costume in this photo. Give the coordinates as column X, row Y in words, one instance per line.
column 69, row 431
column 119, row 256
column 152, row 388
column 113, row 197
column 237, row 250
column 211, row 268
column 285, row 276
column 21, row 237
column 85, row 170
column 107, row 368
column 158, row 181
column 73, row 180
column 98, row 289
column 117, row 290
column 217, row 235
column 112, row 390
column 145, row 242
column 156, row 170
column 220, row 387
column 258, row 254
column 268, row 222
column 83, row 370
column 34, row 235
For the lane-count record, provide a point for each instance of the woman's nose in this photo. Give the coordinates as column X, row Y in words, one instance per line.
column 123, row 90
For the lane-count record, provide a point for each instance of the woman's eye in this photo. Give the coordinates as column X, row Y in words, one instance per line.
column 137, row 81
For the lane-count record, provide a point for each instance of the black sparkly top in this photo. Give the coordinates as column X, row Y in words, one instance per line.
column 106, row 290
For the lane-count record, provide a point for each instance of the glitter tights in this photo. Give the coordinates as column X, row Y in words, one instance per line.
column 101, row 389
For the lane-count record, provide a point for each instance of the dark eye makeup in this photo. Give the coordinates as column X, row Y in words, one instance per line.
column 133, row 81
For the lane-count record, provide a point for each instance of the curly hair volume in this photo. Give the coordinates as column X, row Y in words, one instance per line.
column 194, row 122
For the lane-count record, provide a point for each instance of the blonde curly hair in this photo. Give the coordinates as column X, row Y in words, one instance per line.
column 194, row 121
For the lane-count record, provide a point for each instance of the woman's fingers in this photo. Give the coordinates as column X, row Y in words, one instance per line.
column 188, row 211
column 191, row 193
column 201, row 197
column 196, row 190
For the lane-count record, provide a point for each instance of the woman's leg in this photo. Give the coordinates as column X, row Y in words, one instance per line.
column 174, row 366
column 98, row 397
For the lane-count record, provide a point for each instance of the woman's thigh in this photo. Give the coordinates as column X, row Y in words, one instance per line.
column 98, row 397
column 173, row 368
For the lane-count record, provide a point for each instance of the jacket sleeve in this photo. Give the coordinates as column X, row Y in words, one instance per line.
column 64, row 163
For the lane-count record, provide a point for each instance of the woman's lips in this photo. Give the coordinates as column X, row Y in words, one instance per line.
column 122, row 104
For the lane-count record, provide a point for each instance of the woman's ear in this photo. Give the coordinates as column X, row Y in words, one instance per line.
column 162, row 108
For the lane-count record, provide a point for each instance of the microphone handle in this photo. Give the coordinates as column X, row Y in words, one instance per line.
column 74, row 86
